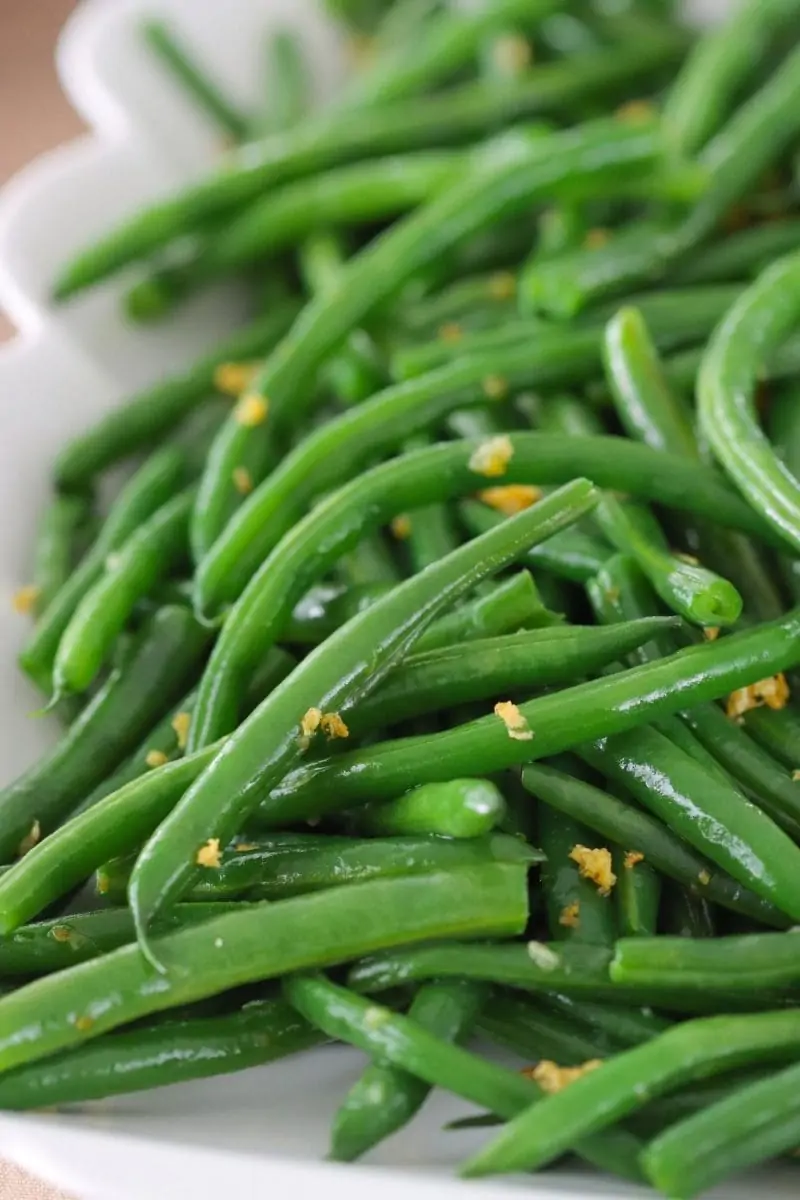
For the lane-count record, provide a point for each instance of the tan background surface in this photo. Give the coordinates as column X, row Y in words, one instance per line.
column 35, row 117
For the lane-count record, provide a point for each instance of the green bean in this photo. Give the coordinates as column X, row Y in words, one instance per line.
column 436, row 473
column 696, row 1049
column 254, row 943
column 129, row 574
column 754, row 1123
column 293, row 864
column 288, row 79
column 458, row 115
column 563, row 967
column 194, row 80
column 509, row 606
column 325, row 607
column 326, row 457
column 137, row 423
column 345, row 668
column 164, row 1053
column 469, row 671
column 576, row 911
column 57, row 548
column 151, row 676
column 340, row 1013
column 571, row 555
column 716, row 819
column 708, row 85
column 777, row 730
column 738, row 963
column 619, row 1026
column 740, row 255
column 596, row 709
column 460, row 808
column 386, row 1097
column 631, row 829
column 151, row 486
column 522, row 1025
column 115, row 825
column 458, row 299
column 754, row 327
column 691, row 590
column 506, row 177
column 687, row 915
column 637, row 895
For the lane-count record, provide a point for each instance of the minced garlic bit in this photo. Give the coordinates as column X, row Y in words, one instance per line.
column 401, row 527
column 310, row 722
column 796, row 776
column 515, row 722
column 155, row 758
column 705, row 878
column 711, row 633
column 571, row 915
column 232, row 378
column 636, row 111
column 495, row 387
column 691, row 560
column 208, row 855
column 24, row 599
column 596, row 238
column 61, row 933
column 242, row 480
column 180, row 723
column 595, row 865
column 632, row 858
column 333, row 725
column 772, row 692
column 542, row 956
column 511, row 53
column 553, row 1078
column 84, row 1024
column 243, row 847
column 101, row 882
column 30, row 840
column 376, row 1015
column 502, row 286
column 492, row 457
column 451, row 331
column 251, row 410
column 512, row 498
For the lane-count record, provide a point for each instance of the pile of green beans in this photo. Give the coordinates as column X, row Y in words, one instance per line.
column 442, row 632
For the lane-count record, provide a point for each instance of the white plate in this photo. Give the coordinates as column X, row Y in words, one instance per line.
column 262, row 1132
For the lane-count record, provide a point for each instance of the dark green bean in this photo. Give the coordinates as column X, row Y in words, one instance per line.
column 258, row 942
column 637, row 894
column 737, row 963
column 778, row 731
column 619, row 1026
column 740, row 255
column 521, row 1024
column 460, row 808
column 571, row 555
column 171, row 1052
column 58, row 545
column 152, row 675
column 634, row 830
column 342, row 1014
column 752, row 1124
column 511, row 605
column 576, row 910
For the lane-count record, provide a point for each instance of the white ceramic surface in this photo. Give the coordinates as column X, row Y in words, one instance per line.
column 263, row 1132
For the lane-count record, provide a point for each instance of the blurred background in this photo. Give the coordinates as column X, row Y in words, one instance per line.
column 35, row 114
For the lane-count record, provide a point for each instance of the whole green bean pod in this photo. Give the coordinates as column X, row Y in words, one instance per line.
column 707, row 86
column 619, row 1026
column 327, row 457
column 195, row 81
column 58, row 544
column 436, row 473
column 508, row 606
column 291, row 865
column 460, row 808
column 576, row 911
column 714, row 818
column 345, row 668
column 129, row 574
column 754, row 1123
column 522, row 1024
column 138, row 422
column 740, row 255
column 343, row 1014
column 695, row 1049
column 457, row 115
column 633, row 830
column 738, row 962
column 151, row 676
column 151, row 486
column 117, row 824
column 637, row 894
column 506, row 177
column 599, row 708
column 164, row 1053
column 254, row 943
column 571, row 555
column 777, row 730
column 753, row 328
column 470, row 671
column 386, row 1097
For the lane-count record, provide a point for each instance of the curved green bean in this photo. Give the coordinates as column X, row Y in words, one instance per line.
column 460, row 808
